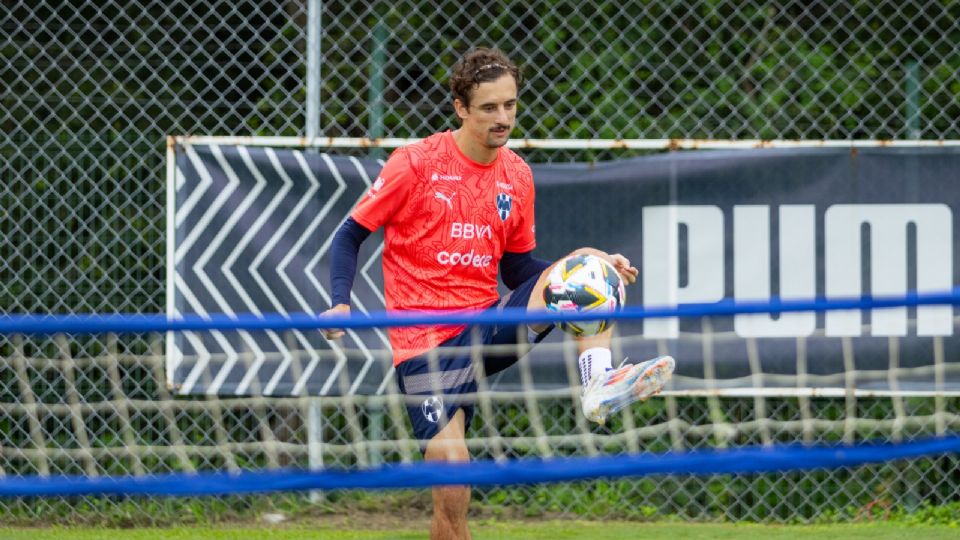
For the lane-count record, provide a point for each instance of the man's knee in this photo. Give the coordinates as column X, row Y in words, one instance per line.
column 586, row 250
column 446, row 450
column 450, row 443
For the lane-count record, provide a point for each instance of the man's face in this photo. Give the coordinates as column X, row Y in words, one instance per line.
column 492, row 112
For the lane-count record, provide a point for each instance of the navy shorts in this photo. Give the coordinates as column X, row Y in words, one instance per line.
column 451, row 372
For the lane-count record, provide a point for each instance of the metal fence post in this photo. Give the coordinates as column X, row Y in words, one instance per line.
column 912, row 105
column 313, row 68
column 315, row 441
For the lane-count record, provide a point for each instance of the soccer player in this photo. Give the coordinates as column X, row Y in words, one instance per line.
column 456, row 207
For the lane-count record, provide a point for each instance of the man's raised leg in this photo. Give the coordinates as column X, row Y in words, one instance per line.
column 601, row 341
column 607, row 390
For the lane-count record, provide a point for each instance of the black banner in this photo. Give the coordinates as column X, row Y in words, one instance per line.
column 253, row 226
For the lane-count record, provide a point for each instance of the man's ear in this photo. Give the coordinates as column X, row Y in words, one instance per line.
column 460, row 108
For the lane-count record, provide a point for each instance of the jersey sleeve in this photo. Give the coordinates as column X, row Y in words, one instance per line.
column 388, row 194
column 523, row 236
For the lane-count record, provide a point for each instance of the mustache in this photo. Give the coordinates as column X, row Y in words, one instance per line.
column 500, row 126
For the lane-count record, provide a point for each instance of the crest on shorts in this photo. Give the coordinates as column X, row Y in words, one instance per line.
column 504, row 204
column 432, row 408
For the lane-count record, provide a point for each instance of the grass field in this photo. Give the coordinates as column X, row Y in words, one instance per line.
column 581, row 530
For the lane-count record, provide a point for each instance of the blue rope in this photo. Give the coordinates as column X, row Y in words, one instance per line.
column 139, row 323
column 747, row 460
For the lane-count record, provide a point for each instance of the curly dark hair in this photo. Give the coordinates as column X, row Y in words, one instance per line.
column 477, row 66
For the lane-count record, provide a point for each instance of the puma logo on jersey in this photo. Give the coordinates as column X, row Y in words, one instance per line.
column 445, row 198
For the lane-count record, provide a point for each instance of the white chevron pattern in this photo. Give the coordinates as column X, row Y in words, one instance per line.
column 248, row 223
column 259, row 358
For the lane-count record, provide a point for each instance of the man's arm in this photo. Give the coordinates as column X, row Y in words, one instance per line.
column 343, row 268
column 515, row 268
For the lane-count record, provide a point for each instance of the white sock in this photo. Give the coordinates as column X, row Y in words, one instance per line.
column 593, row 361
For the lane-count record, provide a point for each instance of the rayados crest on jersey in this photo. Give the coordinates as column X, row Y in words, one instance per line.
column 504, row 205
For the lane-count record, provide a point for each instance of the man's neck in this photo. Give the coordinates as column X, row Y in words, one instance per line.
column 473, row 150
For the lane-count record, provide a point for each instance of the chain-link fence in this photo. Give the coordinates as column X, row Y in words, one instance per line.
column 111, row 414
column 90, row 89
column 646, row 69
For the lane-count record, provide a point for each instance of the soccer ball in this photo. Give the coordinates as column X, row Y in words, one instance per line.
column 584, row 284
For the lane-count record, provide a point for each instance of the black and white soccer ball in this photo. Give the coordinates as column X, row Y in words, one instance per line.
column 584, row 284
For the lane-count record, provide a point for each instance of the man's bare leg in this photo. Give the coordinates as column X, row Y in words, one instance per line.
column 450, row 503
column 536, row 302
column 607, row 390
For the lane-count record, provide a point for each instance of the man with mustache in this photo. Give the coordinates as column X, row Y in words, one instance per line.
column 455, row 207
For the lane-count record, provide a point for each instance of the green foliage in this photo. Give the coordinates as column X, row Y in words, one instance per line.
column 927, row 514
column 88, row 109
column 83, row 213
column 702, row 69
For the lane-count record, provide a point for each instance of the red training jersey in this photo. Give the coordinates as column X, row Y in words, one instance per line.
column 447, row 222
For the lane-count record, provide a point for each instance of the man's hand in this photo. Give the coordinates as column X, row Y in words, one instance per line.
column 622, row 265
column 339, row 309
column 619, row 262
